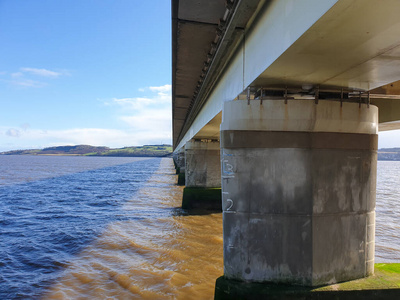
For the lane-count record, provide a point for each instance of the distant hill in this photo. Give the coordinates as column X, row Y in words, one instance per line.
column 87, row 150
column 389, row 154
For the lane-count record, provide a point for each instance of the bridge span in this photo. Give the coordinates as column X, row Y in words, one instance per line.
column 279, row 103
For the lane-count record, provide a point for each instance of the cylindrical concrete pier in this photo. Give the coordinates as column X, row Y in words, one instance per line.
column 179, row 160
column 202, row 164
column 298, row 189
column 203, row 175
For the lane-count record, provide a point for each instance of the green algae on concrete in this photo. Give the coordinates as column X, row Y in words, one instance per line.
column 181, row 179
column 202, row 198
column 386, row 276
column 384, row 284
column 391, row 268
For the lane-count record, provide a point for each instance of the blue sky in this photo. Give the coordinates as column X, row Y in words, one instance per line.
column 84, row 72
column 88, row 72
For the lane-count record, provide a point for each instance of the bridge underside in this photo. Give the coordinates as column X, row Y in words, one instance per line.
column 293, row 92
column 350, row 44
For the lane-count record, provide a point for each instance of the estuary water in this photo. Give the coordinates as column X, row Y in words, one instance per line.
column 111, row 228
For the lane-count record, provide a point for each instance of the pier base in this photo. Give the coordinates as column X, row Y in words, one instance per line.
column 181, row 177
column 202, row 198
column 384, row 285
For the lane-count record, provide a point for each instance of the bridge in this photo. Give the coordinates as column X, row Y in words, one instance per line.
column 278, row 103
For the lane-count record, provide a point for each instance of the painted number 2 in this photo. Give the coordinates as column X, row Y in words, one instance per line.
column 231, row 204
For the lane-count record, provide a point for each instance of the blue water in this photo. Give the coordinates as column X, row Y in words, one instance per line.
column 45, row 222
column 387, row 229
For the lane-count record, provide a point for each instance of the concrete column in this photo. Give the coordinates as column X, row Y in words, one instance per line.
column 298, row 190
column 202, row 175
column 179, row 160
column 203, row 164
column 175, row 159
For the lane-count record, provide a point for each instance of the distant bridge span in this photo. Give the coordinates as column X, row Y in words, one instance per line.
column 291, row 94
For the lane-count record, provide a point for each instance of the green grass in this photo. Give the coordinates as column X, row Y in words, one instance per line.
column 384, row 284
column 386, row 276
column 394, row 268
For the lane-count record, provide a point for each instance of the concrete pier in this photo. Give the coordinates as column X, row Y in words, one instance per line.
column 298, row 189
column 203, row 166
column 202, row 175
column 179, row 160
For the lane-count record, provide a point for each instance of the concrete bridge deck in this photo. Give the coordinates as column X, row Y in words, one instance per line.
column 219, row 52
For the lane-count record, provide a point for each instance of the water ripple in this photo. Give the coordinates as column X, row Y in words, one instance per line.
column 98, row 228
column 45, row 222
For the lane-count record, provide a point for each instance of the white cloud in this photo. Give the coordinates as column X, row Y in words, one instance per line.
column 38, row 138
column 153, row 125
column 22, row 78
column 389, row 139
column 149, row 116
column 25, row 126
column 160, row 96
column 163, row 88
column 13, row 132
column 145, row 120
column 13, row 139
column 42, row 72
column 17, row 74
column 134, row 103
column 27, row 83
